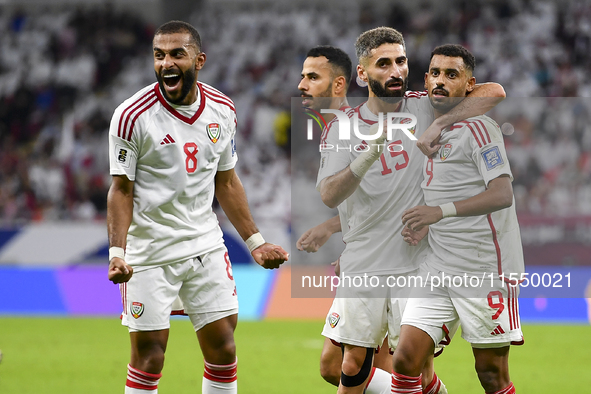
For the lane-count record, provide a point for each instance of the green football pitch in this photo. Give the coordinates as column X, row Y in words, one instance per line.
column 75, row 355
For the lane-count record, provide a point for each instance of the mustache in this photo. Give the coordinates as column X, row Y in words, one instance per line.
column 394, row 81
column 440, row 90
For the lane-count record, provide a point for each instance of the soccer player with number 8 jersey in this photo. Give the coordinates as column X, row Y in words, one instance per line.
column 172, row 148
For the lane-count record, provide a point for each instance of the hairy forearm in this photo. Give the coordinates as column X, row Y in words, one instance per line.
column 232, row 198
column 119, row 214
column 337, row 188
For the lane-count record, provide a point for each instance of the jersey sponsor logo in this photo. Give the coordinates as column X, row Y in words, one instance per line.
column 333, row 319
column 137, row 309
column 167, row 140
column 213, row 132
column 444, row 153
column 122, row 154
column 492, row 158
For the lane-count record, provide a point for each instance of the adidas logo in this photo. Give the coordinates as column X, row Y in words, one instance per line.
column 167, row 140
column 498, row 330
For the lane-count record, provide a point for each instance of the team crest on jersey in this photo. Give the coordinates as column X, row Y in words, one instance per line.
column 411, row 129
column 137, row 308
column 333, row 319
column 492, row 158
column 444, row 152
column 213, row 132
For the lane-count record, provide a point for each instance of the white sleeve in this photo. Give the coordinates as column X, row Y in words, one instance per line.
column 488, row 150
column 334, row 155
column 123, row 147
column 228, row 158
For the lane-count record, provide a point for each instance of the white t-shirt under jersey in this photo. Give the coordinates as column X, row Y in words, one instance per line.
column 374, row 245
column 472, row 154
column 172, row 153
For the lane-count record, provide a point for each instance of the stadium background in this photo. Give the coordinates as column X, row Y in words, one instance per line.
column 67, row 64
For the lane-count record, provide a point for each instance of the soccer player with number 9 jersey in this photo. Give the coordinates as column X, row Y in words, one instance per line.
column 171, row 148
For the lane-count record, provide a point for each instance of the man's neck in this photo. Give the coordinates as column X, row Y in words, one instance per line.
column 336, row 103
column 377, row 105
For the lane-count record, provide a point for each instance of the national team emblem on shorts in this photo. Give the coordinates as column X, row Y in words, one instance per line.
column 444, row 153
column 406, row 121
column 333, row 319
column 137, row 308
column 213, row 132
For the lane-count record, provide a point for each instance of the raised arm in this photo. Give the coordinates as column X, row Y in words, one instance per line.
column 119, row 213
column 232, row 198
column 497, row 196
column 482, row 99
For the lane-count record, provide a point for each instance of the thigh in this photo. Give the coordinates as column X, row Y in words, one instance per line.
column 209, row 287
column 357, row 321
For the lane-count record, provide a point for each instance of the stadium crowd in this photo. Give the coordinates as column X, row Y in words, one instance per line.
column 67, row 69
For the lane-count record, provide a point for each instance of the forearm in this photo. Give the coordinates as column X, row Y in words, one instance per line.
column 119, row 214
column 491, row 200
column 333, row 224
column 337, row 188
column 482, row 99
column 232, row 199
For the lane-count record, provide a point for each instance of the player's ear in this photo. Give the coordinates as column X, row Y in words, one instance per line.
column 426, row 80
column 361, row 73
column 200, row 61
column 470, row 85
column 339, row 84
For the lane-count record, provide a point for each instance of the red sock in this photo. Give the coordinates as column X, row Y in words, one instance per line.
column 434, row 386
column 507, row 390
column 218, row 379
column 406, row 384
column 141, row 380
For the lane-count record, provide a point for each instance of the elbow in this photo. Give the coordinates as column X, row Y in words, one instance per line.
column 329, row 201
column 506, row 200
column 499, row 93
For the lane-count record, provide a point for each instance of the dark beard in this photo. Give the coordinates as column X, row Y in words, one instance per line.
column 323, row 100
column 188, row 78
column 390, row 97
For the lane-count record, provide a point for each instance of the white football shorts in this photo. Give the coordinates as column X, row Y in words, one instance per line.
column 364, row 320
column 204, row 284
column 486, row 322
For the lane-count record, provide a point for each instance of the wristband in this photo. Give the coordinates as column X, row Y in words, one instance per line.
column 115, row 251
column 363, row 162
column 448, row 210
column 254, row 241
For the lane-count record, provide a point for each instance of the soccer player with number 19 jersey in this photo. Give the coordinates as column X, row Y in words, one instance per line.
column 171, row 150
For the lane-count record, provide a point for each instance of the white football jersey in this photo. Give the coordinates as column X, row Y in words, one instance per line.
column 472, row 154
column 374, row 245
column 172, row 153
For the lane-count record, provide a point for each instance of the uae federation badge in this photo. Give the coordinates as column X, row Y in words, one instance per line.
column 213, row 132
column 137, row 308
column 333, row 319
column 444, row 152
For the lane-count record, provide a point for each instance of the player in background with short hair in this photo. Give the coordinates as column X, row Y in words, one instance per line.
column 472, row 226
column 325, row 78
column 377, row 184
column 171, row 149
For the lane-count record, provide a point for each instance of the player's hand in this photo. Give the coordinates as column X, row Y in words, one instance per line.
column 119, row 270
column 314, row 238
column 337, row 266
column 420, row 216
column 414, row 237
column 269, row 255
column 428, row 143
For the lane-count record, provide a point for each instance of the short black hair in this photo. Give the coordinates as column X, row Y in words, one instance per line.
column 455, row 50
column 339, row 60
column 172, row 27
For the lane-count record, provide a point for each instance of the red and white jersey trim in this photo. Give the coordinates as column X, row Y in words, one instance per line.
column 478, row 130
